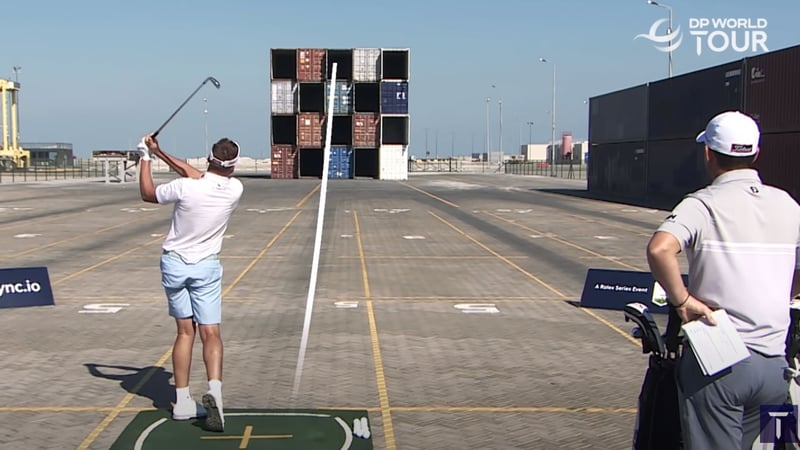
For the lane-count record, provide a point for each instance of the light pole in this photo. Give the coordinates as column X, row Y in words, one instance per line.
column 669, row 29
column 553, row 119
column 488, row 141
column 205, row 121
column 500, row 105
column 530, row 132
column 16, row 70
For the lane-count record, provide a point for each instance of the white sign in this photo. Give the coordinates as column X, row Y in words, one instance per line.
column 717, row 34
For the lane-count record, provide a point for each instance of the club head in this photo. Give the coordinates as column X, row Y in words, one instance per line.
column 214, row 81
column 652, row 341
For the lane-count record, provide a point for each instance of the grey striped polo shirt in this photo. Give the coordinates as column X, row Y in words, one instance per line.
column 742, row 241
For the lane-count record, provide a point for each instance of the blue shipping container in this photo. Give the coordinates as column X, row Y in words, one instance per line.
column 341, row 163
column 343, row 97
column 394, row 97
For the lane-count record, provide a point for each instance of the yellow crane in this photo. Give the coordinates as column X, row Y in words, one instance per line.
column 12, row 156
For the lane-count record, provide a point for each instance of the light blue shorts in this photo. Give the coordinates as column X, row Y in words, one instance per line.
column 193, row 290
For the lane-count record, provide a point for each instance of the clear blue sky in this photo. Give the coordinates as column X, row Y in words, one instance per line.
column 100, row 74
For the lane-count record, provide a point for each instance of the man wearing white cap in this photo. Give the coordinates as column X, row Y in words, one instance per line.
column 741, row 240
column 191, row 272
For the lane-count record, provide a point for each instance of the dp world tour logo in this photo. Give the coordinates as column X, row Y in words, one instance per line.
column 669, row 41
column 715, row 34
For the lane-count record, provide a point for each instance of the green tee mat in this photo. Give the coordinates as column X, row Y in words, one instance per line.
column 251, row 429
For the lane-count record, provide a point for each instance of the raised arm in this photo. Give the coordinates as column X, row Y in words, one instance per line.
column 181, row 167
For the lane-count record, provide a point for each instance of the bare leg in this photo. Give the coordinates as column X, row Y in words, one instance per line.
column 212, row 350
column 182, row 351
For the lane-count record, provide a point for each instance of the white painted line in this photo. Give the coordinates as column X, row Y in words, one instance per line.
column 524, row 211
column 146, row 433
column 26, row 235
column 536, row 236
column 503, row 210
column 103, row 308
column 312, row 285
column 609, row 238
column 346, row 236
column 414, row 237
column 156, row 234
column 477, row 308
column 346, row 304
column 391, row 211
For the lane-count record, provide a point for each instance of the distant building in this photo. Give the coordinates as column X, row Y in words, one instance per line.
column 49, row 154
column 543, row 152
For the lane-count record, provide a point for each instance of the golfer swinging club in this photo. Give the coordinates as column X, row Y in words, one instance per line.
column 190, row 268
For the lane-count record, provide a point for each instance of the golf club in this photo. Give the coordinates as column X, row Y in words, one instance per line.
column 211, row 79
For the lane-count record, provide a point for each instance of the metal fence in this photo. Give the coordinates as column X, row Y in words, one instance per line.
column 81, row 168
column 566, row 169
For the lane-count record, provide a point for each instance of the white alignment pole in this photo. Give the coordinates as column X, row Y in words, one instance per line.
column 312, row 285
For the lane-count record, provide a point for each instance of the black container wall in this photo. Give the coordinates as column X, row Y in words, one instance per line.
column 284, row 64
column 310, row 162
column 674, row 169
column 680, row 107
column 619, row 116
column 366, row 162
column 772, row 90
column 778, row 161
column 618, row 170
column 284, row 130
column 344, row 64
column 312, row 97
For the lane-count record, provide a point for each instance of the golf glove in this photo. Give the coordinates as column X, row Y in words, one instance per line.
column 143, row 151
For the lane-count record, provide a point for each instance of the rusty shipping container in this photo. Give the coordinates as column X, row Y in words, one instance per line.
column 618, row 170
column 309, row 130
column 778, row 162
column 284, row 162
column 674, row 169
column 681, row 106
column 619, row 116
column 365, row 130
column 772, row 90
column 311, row 64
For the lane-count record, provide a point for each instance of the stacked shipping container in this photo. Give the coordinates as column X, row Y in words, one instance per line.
column 370, row 129
column 643, row 138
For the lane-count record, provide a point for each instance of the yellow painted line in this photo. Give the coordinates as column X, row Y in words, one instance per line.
column 565, row 242
column 612, row 224
column 513, row 410
column 260, row 254
column 404, row 409
column 433, row 257
column 499, row 256
column 446, row 202
column 611, row 325
column 123, row 403
column 73, row 238
column 305, row 199
column 458, row 299
column 380, row 376
column 106, row 261
column 534, row 277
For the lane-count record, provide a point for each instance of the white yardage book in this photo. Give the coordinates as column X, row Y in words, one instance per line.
column 716, row 347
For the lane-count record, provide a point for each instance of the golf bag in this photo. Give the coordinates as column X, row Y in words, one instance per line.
column 658, row 425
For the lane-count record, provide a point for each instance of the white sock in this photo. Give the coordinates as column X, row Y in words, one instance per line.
column 215, row 387
column 182, row 395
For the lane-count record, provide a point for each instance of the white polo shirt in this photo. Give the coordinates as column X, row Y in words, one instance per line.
column 200, row 216
column 742, row 241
